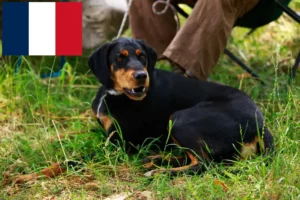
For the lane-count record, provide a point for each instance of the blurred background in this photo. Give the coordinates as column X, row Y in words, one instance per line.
column 102, row 20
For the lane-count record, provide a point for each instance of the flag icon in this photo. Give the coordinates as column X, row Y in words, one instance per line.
column 42, row 28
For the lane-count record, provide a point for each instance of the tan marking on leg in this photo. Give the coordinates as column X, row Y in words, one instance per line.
column 171, row 158
column 190, row 155
column 95, row 114
column 106, row 121
column 194, row 162
column 151, row 161
column 204, row 150
column 204, row 154
column 248, row 150
column 175, row 140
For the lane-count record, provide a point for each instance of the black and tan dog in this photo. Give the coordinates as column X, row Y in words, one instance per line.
column 213, row 122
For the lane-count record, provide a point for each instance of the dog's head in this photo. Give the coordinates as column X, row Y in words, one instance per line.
column 124, row 66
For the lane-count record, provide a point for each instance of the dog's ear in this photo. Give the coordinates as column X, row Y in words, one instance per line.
column 151, row 54
column 99, row 65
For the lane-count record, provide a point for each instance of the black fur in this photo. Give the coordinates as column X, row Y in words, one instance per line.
column 208, row 117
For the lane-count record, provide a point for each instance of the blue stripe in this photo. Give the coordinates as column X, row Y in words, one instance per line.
column 15, row 28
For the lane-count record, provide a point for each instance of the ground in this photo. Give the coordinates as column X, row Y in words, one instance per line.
column 46, row 121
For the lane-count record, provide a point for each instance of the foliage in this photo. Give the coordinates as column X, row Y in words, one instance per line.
column 35, row 111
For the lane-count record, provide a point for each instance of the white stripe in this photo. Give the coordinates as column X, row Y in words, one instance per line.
column 42, row 28
column 100, row 104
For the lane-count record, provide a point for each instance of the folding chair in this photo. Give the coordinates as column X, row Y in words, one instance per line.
column 263, row 13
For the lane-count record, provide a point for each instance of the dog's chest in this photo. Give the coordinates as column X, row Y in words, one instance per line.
column 139, row 121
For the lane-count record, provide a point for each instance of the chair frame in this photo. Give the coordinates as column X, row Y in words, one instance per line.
column 285, row 9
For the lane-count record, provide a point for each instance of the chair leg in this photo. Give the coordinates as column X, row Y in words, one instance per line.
column 294, row 68
column 288, row 11
column 230, row 54
column 182, row 12
column 243, row 65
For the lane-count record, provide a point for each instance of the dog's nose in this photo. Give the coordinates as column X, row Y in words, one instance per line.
column 140, row 75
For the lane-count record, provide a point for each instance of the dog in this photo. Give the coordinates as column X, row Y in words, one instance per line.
column 212, row 122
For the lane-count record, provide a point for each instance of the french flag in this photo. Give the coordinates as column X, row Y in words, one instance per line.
column 42, row 28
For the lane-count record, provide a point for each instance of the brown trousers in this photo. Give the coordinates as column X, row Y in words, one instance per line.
column 198, row 44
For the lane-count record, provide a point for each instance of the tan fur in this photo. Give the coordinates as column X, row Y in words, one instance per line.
column 138, row 52
column 124, row 79
column 248, row 150
column 106, row 121
column 125, row 52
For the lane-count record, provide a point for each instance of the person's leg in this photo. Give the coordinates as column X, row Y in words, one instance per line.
column 156, row 30
column 200, row 41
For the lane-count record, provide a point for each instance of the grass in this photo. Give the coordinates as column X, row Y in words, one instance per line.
column 34, row 111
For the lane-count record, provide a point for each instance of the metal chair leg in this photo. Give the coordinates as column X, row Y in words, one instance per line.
column 243, row 65
column 288, row 11
column 227, row 52
column 294, row 68
column 296, row 17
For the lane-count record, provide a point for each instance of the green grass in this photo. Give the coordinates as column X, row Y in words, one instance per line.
column 34, row 111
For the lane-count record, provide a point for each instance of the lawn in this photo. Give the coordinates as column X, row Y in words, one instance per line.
column 46, row 121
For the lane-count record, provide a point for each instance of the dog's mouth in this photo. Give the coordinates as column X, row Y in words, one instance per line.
column 136, row 92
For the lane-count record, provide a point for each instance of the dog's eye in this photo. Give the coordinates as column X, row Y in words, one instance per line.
column 142, row 56
column 119, row 59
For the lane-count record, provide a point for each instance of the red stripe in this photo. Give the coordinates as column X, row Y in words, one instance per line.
column 68, row 29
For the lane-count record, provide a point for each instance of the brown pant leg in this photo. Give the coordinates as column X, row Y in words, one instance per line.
column 157, row 30
column 203, row 37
